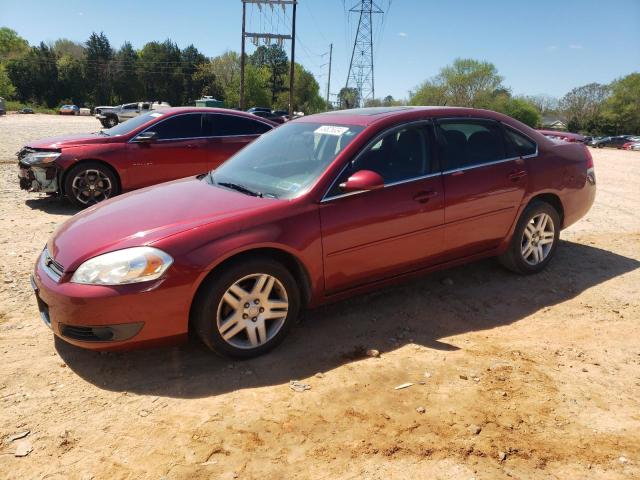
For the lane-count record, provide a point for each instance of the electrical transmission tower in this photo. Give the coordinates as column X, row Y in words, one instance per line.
column 361, row 66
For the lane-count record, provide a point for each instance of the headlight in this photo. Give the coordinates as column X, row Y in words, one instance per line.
column 131, row 265
column 39, row 158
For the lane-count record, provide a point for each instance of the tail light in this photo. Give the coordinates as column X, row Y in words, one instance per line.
column 591, row 172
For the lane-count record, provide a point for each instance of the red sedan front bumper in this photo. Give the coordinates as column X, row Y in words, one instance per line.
column 113, row 317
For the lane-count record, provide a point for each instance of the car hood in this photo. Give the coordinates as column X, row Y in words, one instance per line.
column 145, row 216
column 62, row 141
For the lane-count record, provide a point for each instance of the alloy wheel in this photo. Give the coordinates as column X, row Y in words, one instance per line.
column 537, row 239
column 252, row 311
column 91, row 186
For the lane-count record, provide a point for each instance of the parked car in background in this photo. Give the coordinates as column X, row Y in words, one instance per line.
column 632, row 145
column 112, row 116
column 3, row 107
column 630, row 142
column 69, row 110
column 615, row 142
column 155, row 147
column 26, row 111
column 565, row 136
column 273, row 116
column 319, row 209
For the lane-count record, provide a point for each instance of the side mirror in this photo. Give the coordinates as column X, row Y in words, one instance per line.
column 363, row 180
column 146, row 137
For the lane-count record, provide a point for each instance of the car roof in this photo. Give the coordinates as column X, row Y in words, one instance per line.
column 228, row 111
column 370, row 115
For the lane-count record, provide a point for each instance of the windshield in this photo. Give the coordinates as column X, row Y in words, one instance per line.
column 286, row 161
column 130, row 125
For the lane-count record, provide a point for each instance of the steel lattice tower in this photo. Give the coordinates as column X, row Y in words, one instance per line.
column 361, row 66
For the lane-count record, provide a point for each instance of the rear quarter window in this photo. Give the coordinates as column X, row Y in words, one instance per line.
column 519, row 143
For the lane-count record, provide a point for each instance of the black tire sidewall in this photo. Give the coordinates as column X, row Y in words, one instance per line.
column 210, row 293
column 531, row 211
column 73, row 171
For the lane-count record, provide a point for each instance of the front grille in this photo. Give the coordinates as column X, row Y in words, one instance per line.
column 50, row 266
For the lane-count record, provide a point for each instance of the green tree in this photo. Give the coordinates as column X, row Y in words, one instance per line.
column 64, row 46
column 191, row 58
column 160, row 72
column 622, row 108
column 7, row 90
column 98, row 58
column 12, row 46
column 584, row 104
column 71, row 79
column 348, row 97
column 464, row 83
column 126, row 82
column 306, row 93
column 518, row 108
column 275, row 59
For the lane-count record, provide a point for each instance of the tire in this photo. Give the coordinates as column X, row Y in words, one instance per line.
column 89, row 183
column 110, row 121
column 214, row 317
column 516, row 257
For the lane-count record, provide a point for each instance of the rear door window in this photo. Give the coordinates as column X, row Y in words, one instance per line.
column 219, row 125
column 465, row 143
column 179, row 127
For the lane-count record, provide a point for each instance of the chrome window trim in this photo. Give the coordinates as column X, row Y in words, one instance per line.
column 376, row 139
column 271, row 127
column 478, row 165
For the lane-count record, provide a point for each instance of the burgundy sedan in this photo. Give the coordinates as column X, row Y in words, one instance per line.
column 152, row 148
column 319, row 209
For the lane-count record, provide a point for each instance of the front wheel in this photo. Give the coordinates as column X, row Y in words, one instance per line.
column 246, row 309
column 89, row 183
column 534, row 240
column 110, row 122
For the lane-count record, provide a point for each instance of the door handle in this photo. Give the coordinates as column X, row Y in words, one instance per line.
column 517, row 175
column 192, row 146
column 423, row 197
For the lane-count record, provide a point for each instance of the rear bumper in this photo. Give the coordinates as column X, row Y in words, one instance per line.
column 112, row 318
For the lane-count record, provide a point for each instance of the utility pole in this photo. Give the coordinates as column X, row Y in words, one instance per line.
column 329, row 78
column 244, row 16
column 267, row 37
column 361, row 66
column 293, row 63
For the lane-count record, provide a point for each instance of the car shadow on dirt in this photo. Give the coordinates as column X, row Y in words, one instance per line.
column 479, row 296
column 53, row 205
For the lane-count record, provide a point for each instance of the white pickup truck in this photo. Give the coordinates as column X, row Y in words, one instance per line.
column 111, row 116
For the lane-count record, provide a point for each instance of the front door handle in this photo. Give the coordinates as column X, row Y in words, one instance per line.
column 517, row 175
column 423, row 197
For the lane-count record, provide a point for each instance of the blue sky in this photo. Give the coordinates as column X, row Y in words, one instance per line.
column 540, row 46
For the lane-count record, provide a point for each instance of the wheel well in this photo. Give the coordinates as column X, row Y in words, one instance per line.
column 289, row 261
column 63, row 177
column 553, row 200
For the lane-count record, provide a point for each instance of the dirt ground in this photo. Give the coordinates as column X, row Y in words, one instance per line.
column 513, row 377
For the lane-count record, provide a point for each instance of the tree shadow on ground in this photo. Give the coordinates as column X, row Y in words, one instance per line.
column 53, row 205
column 423, row 311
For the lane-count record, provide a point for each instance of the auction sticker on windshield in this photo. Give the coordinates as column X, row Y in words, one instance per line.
column 330, row 130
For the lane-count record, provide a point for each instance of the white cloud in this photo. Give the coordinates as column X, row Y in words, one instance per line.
column 575, row 46
column 552, row 48
column 403, row 34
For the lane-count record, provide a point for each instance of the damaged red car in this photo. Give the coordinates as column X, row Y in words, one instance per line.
column 319, row 209
column 152, row 148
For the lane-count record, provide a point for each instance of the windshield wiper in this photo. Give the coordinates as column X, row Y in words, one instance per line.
column 240, row 188
column 102, row 132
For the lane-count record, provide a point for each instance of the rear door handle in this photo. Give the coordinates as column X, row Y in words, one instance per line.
column 423, row 197
column 517, row 175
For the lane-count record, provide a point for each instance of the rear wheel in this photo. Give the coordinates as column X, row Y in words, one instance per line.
column 534, row 240
column 247, row 309
column 89, row 183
